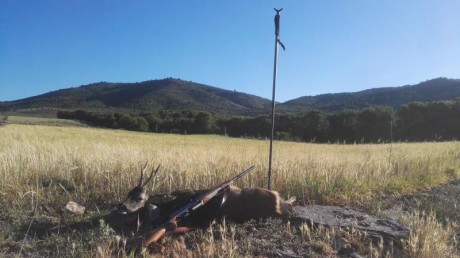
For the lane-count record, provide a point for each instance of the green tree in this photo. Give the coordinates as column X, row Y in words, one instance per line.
column 203, row 123
column 154, row 121
column 142, row 124
column 128, row 122
column 375, row 124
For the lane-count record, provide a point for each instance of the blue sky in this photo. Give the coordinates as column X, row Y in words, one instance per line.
column 331, row 46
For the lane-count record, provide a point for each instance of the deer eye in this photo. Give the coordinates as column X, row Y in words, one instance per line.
column 140, row 199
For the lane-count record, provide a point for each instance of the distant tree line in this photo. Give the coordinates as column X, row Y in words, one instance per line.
column 161, row 122
column 413, row 122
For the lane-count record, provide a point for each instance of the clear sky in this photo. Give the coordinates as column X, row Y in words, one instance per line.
column 331, row 46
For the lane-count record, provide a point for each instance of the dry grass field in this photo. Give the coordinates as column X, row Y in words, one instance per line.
column 44, row 167
column 30, row 120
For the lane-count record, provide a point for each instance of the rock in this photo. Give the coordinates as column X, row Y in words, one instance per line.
column 355, row 255
column 342, row 246
column 287, row 252
column 394, row 213
column 75, row 208
column 337, row 217
column 340, row 243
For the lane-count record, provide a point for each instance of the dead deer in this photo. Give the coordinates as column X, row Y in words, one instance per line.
column 255, row 203
column 134, row 210
column 238, row 205
column 138, row 196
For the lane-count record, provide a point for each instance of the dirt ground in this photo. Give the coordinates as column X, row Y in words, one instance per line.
column 273, row 238
column 47, row 233
column 443, row 200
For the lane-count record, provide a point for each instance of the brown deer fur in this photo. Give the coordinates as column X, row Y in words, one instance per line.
column 240, row 205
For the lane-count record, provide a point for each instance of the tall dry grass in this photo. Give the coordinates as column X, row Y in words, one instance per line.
column 96, row 167
column 97, row 164
column 429, row 237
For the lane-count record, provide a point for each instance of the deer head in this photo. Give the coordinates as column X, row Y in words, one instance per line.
column 138, row 195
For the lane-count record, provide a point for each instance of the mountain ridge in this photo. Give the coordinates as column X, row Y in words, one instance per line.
column 153, row 95
column 177, row 95
column 430, row 90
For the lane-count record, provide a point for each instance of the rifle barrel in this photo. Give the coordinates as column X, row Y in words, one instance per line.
column 238, row 176
column 203, row 199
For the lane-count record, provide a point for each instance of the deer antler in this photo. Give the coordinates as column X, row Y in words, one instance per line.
column 142, row 174
column 152, row 175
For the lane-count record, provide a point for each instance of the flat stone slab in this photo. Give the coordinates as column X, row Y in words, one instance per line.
column 338, row 217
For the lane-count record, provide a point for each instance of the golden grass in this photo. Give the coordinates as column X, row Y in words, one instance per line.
column 53, row 165
column 108, row 162
column 30, row 120
column 430, row 238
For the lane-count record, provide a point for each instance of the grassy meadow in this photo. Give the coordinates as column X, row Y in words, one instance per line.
column 44, row 167
column 52, row 121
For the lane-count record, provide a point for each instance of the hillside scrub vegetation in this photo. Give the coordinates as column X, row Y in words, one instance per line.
column 166, row 94
column 178, row 95
column 433, row 121
column 43, row 167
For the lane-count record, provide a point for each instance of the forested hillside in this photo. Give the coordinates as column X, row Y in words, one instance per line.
column 431, row 90
column 423, row 112
column 434, row 121
column 179, row 95
column 167, row 94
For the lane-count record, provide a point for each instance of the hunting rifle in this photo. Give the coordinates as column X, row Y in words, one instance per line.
column 184, row 211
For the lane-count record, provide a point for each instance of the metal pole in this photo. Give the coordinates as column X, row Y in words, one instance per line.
column 277, row 41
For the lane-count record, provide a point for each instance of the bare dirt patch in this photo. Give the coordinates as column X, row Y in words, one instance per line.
column 442, row 200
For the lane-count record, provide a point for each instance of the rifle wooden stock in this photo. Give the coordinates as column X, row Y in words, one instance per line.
column 158, row 233
column 154, row 237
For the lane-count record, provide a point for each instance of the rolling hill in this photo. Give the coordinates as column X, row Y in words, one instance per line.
column 431, row 90
column 166, row 94
column 177, row 95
